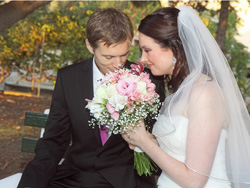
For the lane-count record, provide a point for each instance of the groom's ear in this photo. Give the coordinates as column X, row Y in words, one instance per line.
column 90, row 48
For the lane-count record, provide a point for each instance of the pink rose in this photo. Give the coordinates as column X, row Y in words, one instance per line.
column 114, row 114
column 111, row 78
column 126, row 86
column 151, row 88
column 137, row 97
column 145, row 78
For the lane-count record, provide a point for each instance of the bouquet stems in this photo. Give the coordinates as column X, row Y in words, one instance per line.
column 143, row 164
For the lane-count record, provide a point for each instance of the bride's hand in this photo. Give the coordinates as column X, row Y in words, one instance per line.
column 131, row 146
column 138, row 137
column 152, row 137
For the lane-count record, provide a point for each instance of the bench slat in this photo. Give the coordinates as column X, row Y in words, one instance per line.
column 32, row 119
column 35, row 119
column 28, row 144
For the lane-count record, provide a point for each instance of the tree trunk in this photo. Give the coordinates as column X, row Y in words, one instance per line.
column 14, row 11
column 4, row 73
column 222, row 25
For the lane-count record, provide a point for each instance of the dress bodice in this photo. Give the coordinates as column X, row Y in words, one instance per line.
column 171, row 134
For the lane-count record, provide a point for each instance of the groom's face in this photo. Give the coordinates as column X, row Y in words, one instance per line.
column 110, row 58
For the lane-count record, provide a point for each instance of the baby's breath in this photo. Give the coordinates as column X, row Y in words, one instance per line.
column 125, row 98
column 127, row 122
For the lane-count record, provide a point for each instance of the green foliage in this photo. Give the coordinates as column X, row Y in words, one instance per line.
column 238, row 56
column 236, row 53
column 134, row 54
column 63, row 36
column 63, row 26
column 137, row 11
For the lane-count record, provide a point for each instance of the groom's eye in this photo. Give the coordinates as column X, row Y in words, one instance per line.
column 108, row 57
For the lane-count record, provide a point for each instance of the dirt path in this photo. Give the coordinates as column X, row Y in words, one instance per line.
column 12, row 109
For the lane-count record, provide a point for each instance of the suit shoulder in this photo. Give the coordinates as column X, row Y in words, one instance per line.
column 76, row 67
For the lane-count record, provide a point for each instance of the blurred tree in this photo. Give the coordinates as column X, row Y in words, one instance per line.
column 63, row 24
column 14, row 11
column 236, row 53
column 222, row 25
column 64, row 40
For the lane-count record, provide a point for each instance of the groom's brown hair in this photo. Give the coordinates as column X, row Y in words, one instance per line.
column 109, row 25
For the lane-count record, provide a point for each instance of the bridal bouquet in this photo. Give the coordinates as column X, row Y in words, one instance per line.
column 124, row 98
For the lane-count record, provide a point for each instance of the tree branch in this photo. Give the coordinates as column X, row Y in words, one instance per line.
column 14, row 11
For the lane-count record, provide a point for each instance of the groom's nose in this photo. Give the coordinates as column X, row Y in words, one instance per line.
column 118, row 63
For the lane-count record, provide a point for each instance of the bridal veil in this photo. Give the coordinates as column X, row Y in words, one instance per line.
column 211, row 73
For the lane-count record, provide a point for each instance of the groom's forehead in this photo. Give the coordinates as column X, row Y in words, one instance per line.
column 120, row 49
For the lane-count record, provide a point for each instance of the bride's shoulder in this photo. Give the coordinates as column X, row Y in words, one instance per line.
column 206, row 90
column 206, row 96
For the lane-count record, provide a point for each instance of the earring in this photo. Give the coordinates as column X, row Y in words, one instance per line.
column 174, row 62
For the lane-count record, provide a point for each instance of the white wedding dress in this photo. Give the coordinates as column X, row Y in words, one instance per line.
column 172, row 139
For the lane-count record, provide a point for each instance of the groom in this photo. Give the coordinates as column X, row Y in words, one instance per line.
column 88, row 163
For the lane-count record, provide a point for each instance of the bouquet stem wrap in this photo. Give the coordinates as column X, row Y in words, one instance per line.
column 142, row 163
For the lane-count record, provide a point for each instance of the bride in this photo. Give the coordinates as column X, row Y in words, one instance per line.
column 202, row 131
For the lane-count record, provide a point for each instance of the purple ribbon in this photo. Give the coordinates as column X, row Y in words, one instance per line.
column 104, row 131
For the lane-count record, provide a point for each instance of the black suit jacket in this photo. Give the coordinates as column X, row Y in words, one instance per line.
column 68, row 122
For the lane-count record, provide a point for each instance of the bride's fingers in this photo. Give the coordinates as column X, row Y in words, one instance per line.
column 132, row 147
column 126, row 137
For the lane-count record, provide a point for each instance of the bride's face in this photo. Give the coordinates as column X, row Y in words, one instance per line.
column 159, row 59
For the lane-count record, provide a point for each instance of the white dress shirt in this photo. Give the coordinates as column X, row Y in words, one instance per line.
column 97, row 78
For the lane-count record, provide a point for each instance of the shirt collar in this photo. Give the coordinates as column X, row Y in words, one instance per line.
column 97, row 75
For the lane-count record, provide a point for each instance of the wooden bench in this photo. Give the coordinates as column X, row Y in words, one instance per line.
column 39, row 120
column 33, row 119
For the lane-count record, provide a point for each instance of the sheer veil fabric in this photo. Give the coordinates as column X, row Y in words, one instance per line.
column 210, row 90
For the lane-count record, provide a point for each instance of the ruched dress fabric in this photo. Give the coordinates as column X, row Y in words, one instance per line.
column 171, row 134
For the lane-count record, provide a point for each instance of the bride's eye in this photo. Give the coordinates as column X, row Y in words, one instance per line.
column 147, row 50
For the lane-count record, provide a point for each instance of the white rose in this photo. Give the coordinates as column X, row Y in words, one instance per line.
column 95, row 109
column 118, row 101
column 101, row 93
column 142, row 88
column 112, row 90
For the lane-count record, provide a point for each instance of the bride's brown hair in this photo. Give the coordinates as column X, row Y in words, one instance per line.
column 162, row 26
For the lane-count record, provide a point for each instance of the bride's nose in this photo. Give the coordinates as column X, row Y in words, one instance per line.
column 143, row 58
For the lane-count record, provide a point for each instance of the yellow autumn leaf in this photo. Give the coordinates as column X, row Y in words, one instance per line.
column 89, row 12
column 18, row 127
column 205, row 21
column 73, row 8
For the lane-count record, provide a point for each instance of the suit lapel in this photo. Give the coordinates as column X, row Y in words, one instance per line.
column 114, row 138
column 86, row 79
column 86, row 85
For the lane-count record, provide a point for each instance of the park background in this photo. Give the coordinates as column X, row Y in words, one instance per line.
column 39, row 37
